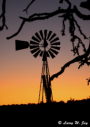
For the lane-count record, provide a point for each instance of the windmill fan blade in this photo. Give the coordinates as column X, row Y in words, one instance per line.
column 21, row 44
column 35, row 39
column 51, row 54
column 56, row 43
column 36, row 54
column 38, row 36
column 32, row 42
column 41, row 53
column 41, row 33
column 45, row 34
column 33, row 51
column 50, row 32
column 56, row 39
column 32, row 47
column 48, row 54
column 52, row 37
column 58, row 48
column 54, row 51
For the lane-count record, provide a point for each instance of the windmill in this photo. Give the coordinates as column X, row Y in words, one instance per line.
column 44, row 44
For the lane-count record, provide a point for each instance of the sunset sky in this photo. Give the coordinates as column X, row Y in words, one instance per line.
column 20, row 72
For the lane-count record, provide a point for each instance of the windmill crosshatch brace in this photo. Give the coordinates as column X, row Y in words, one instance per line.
column 56, row 29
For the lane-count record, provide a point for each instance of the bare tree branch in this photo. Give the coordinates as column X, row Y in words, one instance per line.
column 61, row 1
column 86, row 4
column 32, row 18
column 2, row 16
column 72, row 22
column 63, row 27
column 43, row 16
column 28, row 6
column 80, row 29
column 68, row 3
column 75, row 49
column 22, row 24
column 77, row 59
column 82, row 16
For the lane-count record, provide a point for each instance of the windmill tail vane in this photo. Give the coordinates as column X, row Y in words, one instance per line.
column 44, row 44
column 19, row 45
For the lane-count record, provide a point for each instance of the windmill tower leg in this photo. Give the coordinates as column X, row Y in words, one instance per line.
column 45, row 84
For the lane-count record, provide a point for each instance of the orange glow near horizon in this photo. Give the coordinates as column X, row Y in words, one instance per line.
column 22, row 87
column 24, row 95
column 23, row 92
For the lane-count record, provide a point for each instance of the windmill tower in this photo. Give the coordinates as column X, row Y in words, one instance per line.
column 45, row 44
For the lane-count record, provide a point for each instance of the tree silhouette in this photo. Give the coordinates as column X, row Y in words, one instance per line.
column 67, row 14
column 2, row 16
column 88, row 80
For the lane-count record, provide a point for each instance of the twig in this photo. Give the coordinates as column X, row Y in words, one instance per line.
column 28, row 6
column 21, row 26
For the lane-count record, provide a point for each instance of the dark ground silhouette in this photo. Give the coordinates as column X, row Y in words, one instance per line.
column 46, row 114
